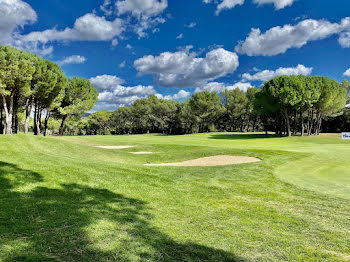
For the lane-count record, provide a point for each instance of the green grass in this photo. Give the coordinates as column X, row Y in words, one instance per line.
column 62, row 199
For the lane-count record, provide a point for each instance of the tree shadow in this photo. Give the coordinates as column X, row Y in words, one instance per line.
column 242, row 136
column 79, row 223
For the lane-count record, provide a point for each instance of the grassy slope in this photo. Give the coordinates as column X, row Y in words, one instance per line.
column 63, row 200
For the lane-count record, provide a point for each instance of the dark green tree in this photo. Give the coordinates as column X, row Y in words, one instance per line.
column 80, row 97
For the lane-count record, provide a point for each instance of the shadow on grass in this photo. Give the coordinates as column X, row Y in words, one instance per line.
column 79, row 223
column 242, row 136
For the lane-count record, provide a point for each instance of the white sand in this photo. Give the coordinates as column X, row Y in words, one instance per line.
column 115, row 147
column 221, row 160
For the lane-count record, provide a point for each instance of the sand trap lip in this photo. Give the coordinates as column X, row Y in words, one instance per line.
column 221, row 160
column 141, row 153
column 115, row 147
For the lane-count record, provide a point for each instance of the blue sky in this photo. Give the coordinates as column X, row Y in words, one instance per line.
column 133, row 48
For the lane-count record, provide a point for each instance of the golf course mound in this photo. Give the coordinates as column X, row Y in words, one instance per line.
column 115, row 147
column 221, row 160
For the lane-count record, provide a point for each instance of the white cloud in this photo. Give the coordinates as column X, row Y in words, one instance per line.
column 180, row 36
column 107, row 8
column 114, row 94
column 141, row 7
column 124, row 95
column 128, row 46
column 14, row 14
column 347, row 73
column 114, row 42
column 344, row 39
column 219, row 87
column 140, row 15
column 266, row 75
column 279, row 4
column 74, row 59
column 182, row 94
column 86, row 28
column 191, row 25
column 184, row 69
column 278, row 40
column 224, row 4
column 230, row 4
column 106, row 82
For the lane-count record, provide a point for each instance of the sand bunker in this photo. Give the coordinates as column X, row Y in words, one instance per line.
column 141, row 153
column 213, row 161
column 115, row 147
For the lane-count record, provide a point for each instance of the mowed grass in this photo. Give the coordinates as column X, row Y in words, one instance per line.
column 63, row 199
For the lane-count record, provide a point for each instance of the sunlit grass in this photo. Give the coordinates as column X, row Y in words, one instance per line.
column 63, row 199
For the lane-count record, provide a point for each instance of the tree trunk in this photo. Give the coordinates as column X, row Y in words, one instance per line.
column 16, row 123
column 37, row 120
column 288, row 132
column 29, row 107
column 310, row 122
column 319, row 124
column 64, row 118
column 8, row 114
column 46, row 122
column 302, row 122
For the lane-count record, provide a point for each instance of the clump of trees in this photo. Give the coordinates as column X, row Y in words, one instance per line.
column 298, row 104
column 231, row 110
column 286, row 105
column 31, row 86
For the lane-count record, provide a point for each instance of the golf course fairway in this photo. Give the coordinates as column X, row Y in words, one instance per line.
column 96, row 198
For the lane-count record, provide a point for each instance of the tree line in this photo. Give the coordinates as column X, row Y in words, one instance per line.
column 36, row 94
column 286, row 105
column 203, row 112
column 31, row 86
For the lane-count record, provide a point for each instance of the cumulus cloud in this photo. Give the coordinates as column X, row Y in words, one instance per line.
column 89, row 27
column 278, row 40
column 230, row 4
column 74, row 59
column 224, row 4
column 113, row 94
column 141, row 7
column 266, row 75
column 14, row 14
column 347, row 73
column 279, row 4
column 219, row 87
column 119, row 95
column 144, row 14
column 184, row 69
column 106, row 82
column 138, row 16
column 182, row 94
column 344, row 39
